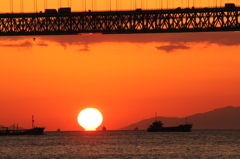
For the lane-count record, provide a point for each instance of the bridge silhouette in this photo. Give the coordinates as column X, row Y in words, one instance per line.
column 65, row 22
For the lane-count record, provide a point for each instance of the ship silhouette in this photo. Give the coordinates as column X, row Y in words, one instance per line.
column 157, row 126
column 104, row 128
column 33, row 131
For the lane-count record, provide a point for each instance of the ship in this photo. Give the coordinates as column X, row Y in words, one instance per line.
column 34, row 131
column 136, row 128
column 104, row 128
column 157, row 126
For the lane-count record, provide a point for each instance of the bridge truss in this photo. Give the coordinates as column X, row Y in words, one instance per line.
column 121, row 22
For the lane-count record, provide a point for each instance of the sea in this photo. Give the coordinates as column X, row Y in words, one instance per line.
column 134, row 144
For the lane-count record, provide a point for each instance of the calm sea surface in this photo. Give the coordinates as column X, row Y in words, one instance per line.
column 124, row 144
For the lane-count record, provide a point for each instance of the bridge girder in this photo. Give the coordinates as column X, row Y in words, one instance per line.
column 121, row 22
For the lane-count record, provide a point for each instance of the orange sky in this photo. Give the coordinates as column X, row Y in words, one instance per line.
column 82, row 5
column 127, row 77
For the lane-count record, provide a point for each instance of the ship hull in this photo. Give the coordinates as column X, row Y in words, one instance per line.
column 180, row 128
column 34, row 131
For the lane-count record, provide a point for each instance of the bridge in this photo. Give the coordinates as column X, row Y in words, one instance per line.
column 65, row 22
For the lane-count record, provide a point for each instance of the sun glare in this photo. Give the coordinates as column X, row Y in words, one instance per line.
column 90, row 119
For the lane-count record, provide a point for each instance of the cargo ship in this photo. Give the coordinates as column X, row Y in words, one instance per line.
column 157, row 126
column 33, row 131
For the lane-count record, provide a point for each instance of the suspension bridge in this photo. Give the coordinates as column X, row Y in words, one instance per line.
column 66, row 22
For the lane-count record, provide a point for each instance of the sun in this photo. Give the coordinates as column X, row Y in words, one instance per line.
column 90, row 119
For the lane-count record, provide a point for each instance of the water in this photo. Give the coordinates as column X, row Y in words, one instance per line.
column 202, row 144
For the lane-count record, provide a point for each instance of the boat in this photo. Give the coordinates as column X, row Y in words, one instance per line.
column 157, row 126
column 136, row 128
column 104, row 128
column 33, row 131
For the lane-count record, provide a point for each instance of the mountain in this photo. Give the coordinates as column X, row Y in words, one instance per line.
column 222, row 118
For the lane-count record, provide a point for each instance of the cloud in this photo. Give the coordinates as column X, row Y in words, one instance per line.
column 86, row 48
column 25, row 44
column 13, row 38
column 178, row 39
column 169, row 48
column 42, row 44
column 219, row 38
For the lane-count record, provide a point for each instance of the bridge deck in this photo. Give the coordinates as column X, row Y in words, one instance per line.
column 122, row 22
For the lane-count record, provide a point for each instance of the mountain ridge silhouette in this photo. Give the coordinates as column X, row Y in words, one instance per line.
column 221, row 118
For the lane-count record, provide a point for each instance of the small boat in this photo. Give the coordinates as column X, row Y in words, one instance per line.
column 157, row 126
column 104, row 128
column 33, row 131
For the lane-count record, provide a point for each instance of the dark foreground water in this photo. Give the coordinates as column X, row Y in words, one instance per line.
column 204, row 144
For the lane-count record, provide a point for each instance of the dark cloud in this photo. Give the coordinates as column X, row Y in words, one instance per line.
column 178, row 39
column 25, row 44
column 219, row 38
column 170, row 48
column 42, row 44
column 13, row 38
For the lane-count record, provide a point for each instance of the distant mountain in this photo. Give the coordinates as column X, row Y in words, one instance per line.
column 222, row 118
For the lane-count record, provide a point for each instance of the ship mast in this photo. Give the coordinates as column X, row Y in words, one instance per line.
column 32, row 121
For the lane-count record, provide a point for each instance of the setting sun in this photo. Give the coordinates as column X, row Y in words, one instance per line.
column 90, row 119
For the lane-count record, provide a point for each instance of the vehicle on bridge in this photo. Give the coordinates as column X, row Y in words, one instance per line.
column 60, row 11
column 51, row 11
column 64, row 10
column 229, row 5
